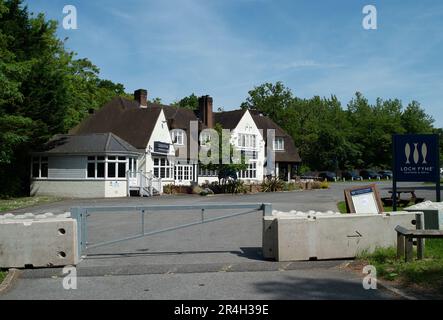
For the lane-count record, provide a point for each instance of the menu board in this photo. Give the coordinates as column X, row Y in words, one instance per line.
column 363, row 200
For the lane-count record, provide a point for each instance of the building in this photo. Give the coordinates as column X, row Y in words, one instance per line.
column 138, row 147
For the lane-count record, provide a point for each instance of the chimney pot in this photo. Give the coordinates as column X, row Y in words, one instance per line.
column 141, row 96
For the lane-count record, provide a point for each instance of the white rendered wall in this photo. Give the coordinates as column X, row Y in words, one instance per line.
column 247, row 126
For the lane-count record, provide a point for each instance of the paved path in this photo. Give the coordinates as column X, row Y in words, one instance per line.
column 217, row 260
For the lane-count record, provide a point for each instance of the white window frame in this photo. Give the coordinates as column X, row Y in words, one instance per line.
column 250, row 172
column 163, row 163
column 279, row 144
column 247, row 141
column 178, row 137
column 207, row 173
column 40, row 160
column 184, row 173
column 117, row 161
column 205, row 138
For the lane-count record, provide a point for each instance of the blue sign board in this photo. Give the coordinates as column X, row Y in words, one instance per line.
column 416, row 158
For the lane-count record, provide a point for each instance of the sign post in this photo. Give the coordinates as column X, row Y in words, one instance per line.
column 416, row 158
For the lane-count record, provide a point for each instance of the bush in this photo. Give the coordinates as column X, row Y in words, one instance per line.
column 291, row 186
column 316, row 185
column 272, row 185
column 169, row 189
column 324, row 185
column 230, row 186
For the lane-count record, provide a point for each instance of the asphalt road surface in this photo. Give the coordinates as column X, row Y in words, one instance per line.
column 219, row 260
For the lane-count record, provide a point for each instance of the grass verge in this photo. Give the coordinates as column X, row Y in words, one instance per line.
column 17, row 203
column 342, row 207
column 426, row 274
column 2, row 276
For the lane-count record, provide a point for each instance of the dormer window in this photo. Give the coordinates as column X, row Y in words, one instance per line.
column 205, row 138
column 178, row 137
column 279, row 144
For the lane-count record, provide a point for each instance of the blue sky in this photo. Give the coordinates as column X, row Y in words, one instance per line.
column 226, row 47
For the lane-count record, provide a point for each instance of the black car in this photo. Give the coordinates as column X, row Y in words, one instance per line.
column 370, row 174
column 327, row 175
column 385, row 174
column 351, row 175
column 309, row 176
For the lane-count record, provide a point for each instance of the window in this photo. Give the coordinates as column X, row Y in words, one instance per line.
column 250, row 173
column 132, row 165
column 249, row 155
column 163, row 168
column 279, row 144
column 184, row 173
column 39, row 167
column 205, row 137
column 247, row 140
column 207, row 173
column 178, row 137
column 116, row 167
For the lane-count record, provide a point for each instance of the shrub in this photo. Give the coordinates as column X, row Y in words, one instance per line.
column 324, row 185
column 291, row 186
column 169, row 189
column 316, row 185
column 272, row 185
column 230, row 186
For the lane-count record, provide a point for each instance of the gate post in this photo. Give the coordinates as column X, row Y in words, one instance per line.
column 75, row 214
column 267, row 209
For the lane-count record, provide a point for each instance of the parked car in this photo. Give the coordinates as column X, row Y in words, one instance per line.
column 370, row 174
column 351, row 175
column 327, row 175
column 309, row 176
column 385, row 174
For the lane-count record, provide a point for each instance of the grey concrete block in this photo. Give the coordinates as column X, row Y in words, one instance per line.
column 323, row 237
column 433, row 214
column 38, row 241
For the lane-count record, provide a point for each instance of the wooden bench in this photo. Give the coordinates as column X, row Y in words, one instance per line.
column 405, row 241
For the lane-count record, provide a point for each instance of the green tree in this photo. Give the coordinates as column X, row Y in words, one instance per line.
column 237, row 162
column 44, row 90
column 415, row 120
column 190, row 102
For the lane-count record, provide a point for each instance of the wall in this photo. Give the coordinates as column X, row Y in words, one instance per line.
column 160, row 133
column 247, row 125
column 67, row 167
column 69, row 189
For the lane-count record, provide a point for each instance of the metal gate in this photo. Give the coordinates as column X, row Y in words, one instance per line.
column 81, row 214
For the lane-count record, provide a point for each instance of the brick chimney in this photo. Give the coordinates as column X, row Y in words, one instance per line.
column 141, row 96
column 205, row 104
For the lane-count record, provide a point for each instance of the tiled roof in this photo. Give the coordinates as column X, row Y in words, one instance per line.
column 96, row 143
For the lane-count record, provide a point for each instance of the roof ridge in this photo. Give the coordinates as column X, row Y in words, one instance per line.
column 108, row 140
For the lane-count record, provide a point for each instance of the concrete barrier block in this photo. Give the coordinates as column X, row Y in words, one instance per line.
column 331, row 236
column 45, row 240
column 433, row 214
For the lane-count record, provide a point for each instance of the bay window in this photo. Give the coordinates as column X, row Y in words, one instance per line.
column 113, row 165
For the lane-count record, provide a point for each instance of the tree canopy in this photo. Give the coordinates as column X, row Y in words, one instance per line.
column 44, row 90
column 331, row 136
